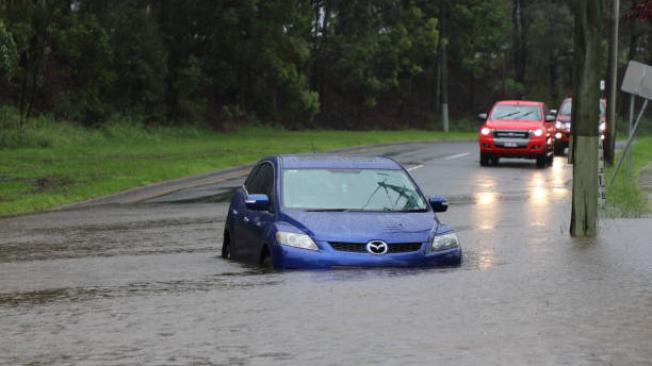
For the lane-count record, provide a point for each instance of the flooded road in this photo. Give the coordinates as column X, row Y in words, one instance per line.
column 143, row 284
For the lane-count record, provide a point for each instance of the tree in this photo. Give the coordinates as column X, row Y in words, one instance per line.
column 8, row 54
column 443, row 66
column 519, row 39
column 586, row 99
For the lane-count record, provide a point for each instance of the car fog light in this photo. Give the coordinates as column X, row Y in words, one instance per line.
column 443, row 242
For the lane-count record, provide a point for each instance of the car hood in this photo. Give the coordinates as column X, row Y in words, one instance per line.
column 364, row 226
column 563, row 117
column 513, row 125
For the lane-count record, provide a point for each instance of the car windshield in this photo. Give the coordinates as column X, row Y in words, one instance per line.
column 516, row 112
column 349, row 190
column 567, row 109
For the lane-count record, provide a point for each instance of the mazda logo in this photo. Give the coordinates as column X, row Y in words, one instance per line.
column 377, row 247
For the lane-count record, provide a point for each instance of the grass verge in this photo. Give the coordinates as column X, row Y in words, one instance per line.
column 64, row 163
column 624, row 197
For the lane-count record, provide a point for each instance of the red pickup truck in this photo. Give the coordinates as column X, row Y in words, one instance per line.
column 517, row 129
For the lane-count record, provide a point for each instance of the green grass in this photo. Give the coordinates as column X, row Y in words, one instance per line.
column 624, row 198
column 65, row 163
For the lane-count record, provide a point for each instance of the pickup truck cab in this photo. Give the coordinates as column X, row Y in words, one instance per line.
column 517, row 129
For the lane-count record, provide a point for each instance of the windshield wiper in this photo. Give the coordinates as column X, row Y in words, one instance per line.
column 508, row 115
column 402, row 192
column 327, row 210
column 526, row 114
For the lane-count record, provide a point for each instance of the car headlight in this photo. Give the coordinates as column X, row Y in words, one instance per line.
column 603, row 127
column 443, row 242
column 485, row 131
column 296, row 240
column 538, row 132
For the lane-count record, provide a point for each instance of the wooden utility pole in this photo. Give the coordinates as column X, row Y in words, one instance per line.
column 610, row 136
column 586, row 99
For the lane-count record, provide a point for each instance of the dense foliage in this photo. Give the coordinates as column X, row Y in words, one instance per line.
column 298, row 63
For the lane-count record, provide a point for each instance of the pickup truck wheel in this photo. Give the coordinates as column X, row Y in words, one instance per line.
column 484, row 159
column 542, row 161
column 494, row 160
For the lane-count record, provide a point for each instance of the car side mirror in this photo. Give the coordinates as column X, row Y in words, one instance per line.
column 482, row 117
column 439, row 204
column 550, row 118
column 257, row 202
column 553, row 112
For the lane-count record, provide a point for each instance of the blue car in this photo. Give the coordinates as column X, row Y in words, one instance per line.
column 329, row 211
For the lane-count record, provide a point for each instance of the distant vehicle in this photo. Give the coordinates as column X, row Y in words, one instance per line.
column 563, row 123
column 324, row 211
column 517, row 129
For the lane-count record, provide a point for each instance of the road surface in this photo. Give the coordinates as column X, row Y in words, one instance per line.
column 142, row 283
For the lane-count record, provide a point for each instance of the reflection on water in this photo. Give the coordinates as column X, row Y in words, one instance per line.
column 559, row 176
column 538, row 192
column 486, row 199
column 486, row 259
column 482, row 257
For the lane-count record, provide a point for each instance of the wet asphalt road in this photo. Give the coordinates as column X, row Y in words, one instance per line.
column 143, row 284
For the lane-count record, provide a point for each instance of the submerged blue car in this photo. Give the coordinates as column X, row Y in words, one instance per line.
column 329, row 211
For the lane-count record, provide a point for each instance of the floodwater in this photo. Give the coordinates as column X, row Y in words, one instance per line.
column 143, row 284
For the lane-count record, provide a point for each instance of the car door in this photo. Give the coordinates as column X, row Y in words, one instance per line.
column 239, row 217
column 256, row 222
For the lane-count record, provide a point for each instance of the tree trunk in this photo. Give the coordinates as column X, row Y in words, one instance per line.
column 443, row 64
column 519, row 40
column 586, row 99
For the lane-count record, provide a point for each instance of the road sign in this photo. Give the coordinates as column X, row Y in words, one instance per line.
column 638, row 80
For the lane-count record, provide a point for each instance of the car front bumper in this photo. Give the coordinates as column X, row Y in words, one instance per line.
column 534, row 147
column 295, row 258
column 562, row 137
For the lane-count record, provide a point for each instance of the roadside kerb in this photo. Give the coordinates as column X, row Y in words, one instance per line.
column 155, row 190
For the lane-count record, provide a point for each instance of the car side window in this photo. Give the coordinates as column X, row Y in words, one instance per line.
column 251, row 179
column 261, row 181
column 267, row 183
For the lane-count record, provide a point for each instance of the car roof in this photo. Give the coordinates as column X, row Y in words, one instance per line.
column 335, row 161
column 519, row 102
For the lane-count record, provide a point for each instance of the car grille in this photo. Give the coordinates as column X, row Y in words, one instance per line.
column 361, row 247
column 511, row 134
